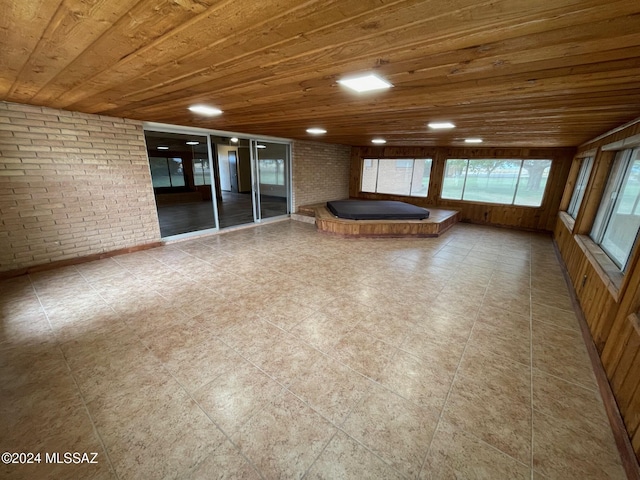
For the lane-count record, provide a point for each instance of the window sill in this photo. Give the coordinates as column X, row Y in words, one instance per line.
column 608, row 271
column 568, row 220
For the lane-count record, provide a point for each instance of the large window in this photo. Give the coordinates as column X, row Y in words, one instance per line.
column 581, row 185
column 510, row 182
column 402, row 176
column 618, row 219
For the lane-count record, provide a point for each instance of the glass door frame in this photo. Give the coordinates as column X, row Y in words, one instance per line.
column 255, row 177
column 212, row 179
column 255, row 185
column 200, row 132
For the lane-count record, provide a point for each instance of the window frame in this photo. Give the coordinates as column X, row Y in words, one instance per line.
column 580, row 188
column 516, row 188
column 616, row 181
column 396, row 167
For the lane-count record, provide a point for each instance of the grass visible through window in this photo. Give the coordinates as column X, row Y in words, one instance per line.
column 509, row 182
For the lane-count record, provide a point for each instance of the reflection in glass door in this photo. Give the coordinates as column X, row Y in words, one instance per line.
column 181, row 172
column 272, row 173
column 250, row 180
column 233, row 181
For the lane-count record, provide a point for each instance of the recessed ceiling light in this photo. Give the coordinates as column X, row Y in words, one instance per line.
column 472, row 140
column 365, row 83
column 205, row 110
column 316, row 131
column 378, row 140
column 234, row 139
column 261, row 146
column 441, row 125
column 162, row 147
column 192, row 142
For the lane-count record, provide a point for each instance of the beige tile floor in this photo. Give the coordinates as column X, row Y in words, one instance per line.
column 279, row 352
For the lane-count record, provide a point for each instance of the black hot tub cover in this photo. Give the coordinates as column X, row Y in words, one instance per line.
column 376, row 210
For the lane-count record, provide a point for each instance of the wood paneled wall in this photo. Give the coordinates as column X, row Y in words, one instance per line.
column 541, row 218
column 609, row 299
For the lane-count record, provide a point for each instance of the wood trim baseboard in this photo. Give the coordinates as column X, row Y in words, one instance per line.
column 76, row 261
column 620, row 434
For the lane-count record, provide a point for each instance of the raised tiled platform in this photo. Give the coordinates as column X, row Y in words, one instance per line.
column 439, row 221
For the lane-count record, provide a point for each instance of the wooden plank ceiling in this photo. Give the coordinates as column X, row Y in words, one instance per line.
column 514, row 72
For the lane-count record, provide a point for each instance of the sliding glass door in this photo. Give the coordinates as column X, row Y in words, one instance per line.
column 272, row 173
column 181, row 173
column 205, row 180
column 233, row 171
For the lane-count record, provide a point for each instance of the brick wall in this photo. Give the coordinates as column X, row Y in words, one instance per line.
column 320, row 172
column 71, row 185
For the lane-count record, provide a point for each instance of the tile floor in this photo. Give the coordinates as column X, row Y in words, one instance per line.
column 279, row 352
